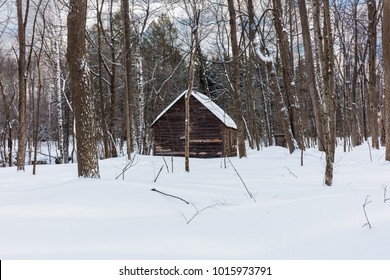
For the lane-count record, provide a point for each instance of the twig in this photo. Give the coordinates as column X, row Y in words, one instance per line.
column 250, row 194
column 172, row 162
column 199, row 211
column 385, row 194
column 291, row 172
column 127, row 167
column 365, row 213
column 155, row 179
column 174, row 196
column 166, row 164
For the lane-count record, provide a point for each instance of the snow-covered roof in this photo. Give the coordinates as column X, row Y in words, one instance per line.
column 208, row 103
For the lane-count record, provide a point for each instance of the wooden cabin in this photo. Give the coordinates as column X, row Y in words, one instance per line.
column 212, row 132
column 280, row 140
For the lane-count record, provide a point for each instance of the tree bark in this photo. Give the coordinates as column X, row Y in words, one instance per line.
column 60, row 119
column 310, row 72
column 253, row 130
column 87, row 154
column 356, row 131
column 330, row 95
column 386, row 62
column 235, row 80
column 372, row 89
column 113, row 51
column 22, row 128
column 102, row 102
column 191, row 78
column 128, row 76
column 288, row 74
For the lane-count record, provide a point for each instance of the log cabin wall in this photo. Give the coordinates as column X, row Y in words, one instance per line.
column 209, row 136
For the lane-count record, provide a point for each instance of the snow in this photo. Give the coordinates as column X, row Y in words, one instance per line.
column 208, row 103
column 54, row 215
column 263, row 57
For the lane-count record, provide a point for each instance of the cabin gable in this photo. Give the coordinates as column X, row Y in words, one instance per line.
column 209, row 136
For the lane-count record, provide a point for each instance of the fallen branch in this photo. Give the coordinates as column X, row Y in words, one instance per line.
column 174, row 196
column 365, row 213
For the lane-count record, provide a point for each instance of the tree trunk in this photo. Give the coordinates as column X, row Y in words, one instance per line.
column 288, row 74
column 356, row 124
column 113, row 51
column 60, row 120
column 127, row 54
column 66, row 124
column 235, row 80
column 102, row 102
column 253, row 130
column 330, row 95
column 279, row 99
column 310, row 72
column 37, row 118
column 386, row 62
column 191, row 78
column 22, row 128
column 87, row 154
column 372, row 89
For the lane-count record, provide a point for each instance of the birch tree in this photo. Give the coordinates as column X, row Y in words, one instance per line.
column 62, row 157
column 142, row 16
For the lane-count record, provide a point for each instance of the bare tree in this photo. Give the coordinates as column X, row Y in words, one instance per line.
column 264, row 59
column 62, row 158
column 330, row 94
column 22, row 68
column 194, row 11
column 101, row 89
column 235, row 80
column 288, row 73
column 310, row 72
column 372, row 87
column 128, row 76
column 87, row 156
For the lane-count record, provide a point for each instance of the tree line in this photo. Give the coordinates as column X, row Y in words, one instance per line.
column 96, row 73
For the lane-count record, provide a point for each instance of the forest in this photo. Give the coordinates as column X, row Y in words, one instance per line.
column 314, row 71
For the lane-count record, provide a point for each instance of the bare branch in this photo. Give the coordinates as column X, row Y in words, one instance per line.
column 385, row 194
column 291, row 172
column 249, row 193
column 158, row 174
column 365, row 213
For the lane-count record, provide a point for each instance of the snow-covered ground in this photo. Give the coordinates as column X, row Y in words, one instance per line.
column 55, row 215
